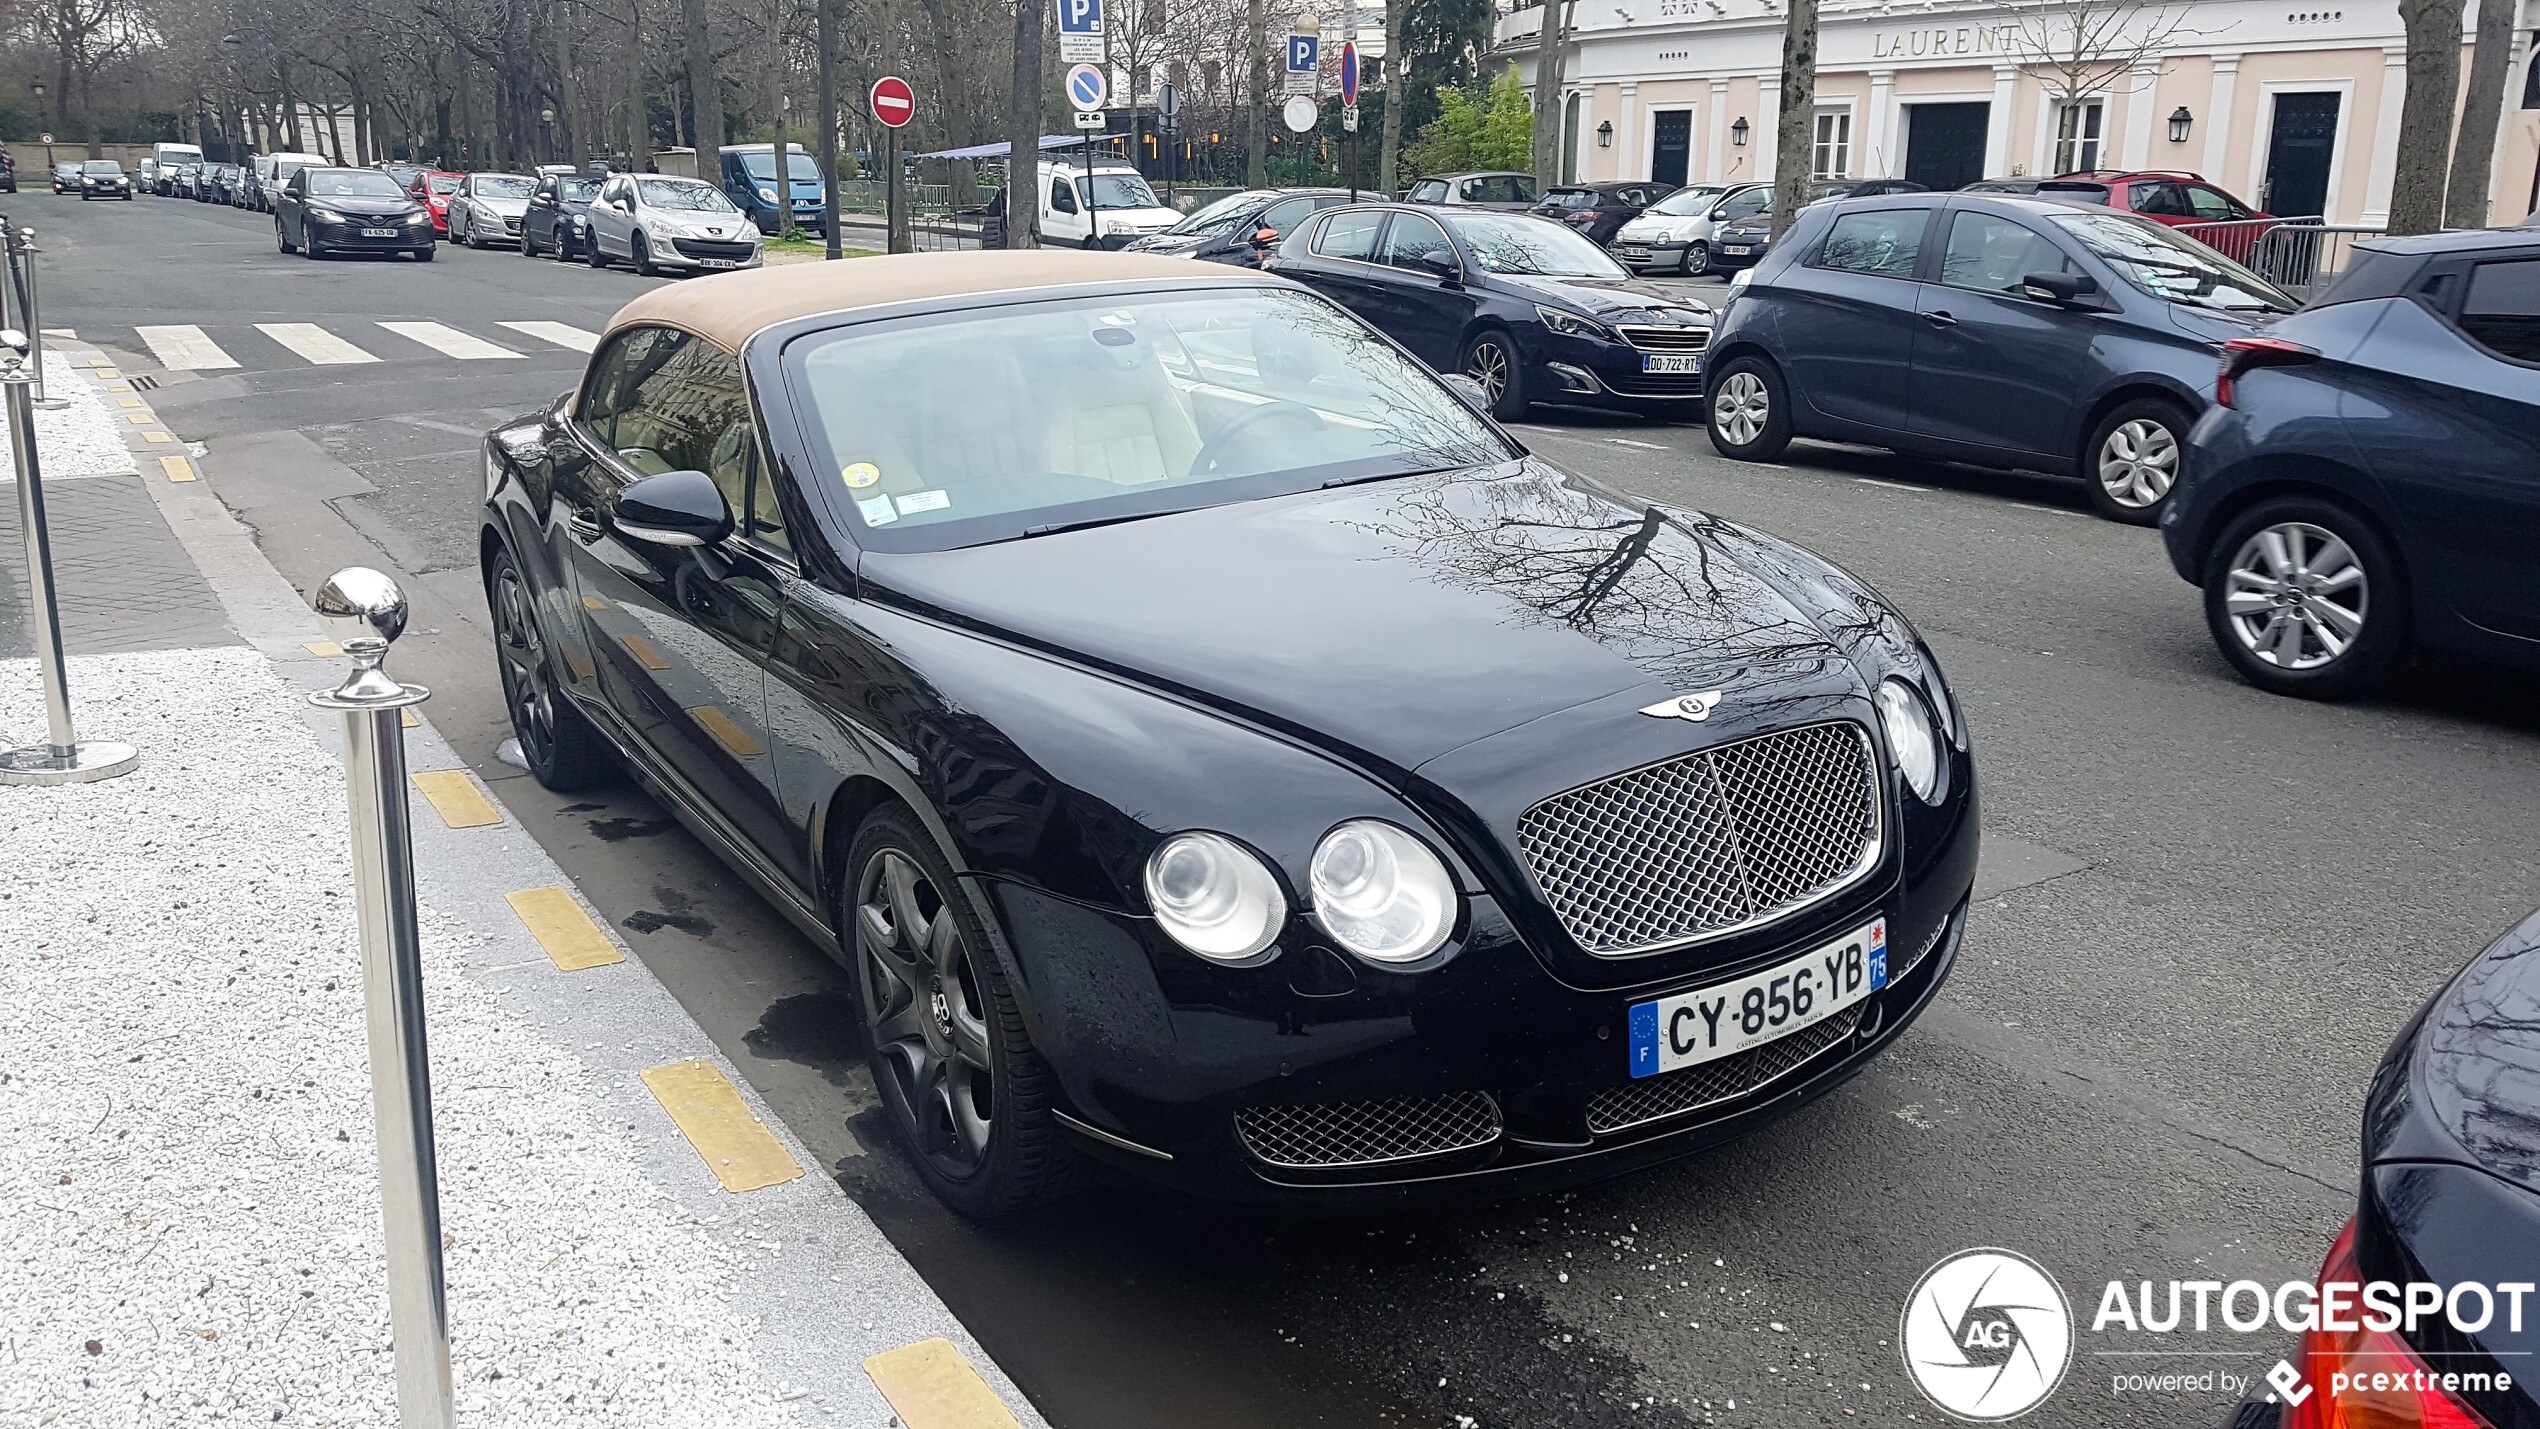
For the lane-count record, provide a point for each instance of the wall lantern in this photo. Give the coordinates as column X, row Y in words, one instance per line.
column 1737, row 132
column 1605, row 135
column 2180, row 122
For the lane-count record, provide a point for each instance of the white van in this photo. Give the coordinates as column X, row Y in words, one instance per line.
column 155, row 173
column 1114, row 196
column 271, row 171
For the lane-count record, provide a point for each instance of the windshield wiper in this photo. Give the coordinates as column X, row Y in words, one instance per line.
column 1088, row 523
column 1391, row 475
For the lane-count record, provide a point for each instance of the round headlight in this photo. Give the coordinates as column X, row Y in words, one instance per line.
column 1213, row 897
column 1380, row 893
column 1907, row 720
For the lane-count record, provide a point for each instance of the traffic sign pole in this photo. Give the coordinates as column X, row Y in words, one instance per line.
column 893, row 102
column 1349, row 98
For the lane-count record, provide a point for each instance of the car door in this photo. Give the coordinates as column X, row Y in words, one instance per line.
column 1993, row 367
column 1062, row 219
column 1418, row 305
column 291, row 211
column 537, row 221
column 2447, row 421
column 1339, row 260
column 610, row 219
column 680, row 632
column 1847, row 318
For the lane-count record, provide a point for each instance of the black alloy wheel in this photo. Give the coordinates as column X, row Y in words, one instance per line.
column 1490, row 359
column 557, row 740
column 591, row 253
column 2305, row 598
column 643, row 251
column 1749, row 412
column 943, row 1032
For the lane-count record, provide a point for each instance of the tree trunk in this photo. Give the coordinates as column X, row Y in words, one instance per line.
column 1792, row 133
column 2482, row 111
column 784, row 168
column 2425, row 117
column 639, row 115
column 831, row 206
column 1551, row 43
column 1023, row 132
column 705, row 95
column 1257, row 126
column 1389, row 147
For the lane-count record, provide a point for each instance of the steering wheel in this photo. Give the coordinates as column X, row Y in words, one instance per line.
column 1214, row 450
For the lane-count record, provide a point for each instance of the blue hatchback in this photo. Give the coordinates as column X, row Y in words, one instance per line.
column 2369, row 479
column 2001, row 331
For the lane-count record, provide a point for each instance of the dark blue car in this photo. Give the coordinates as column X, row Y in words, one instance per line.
column 2369, row 479
column 2001, row 331
column 1523, row 305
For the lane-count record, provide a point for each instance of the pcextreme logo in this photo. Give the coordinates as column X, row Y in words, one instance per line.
column 1986, row 1335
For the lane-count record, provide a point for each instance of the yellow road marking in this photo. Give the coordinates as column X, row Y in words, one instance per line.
column 737, row 1147
column 726, row 733
column 96, row 362
column 409, row 721
column 324, row 649
column 127, row 401
column 931, row 1385
column 163, row 437
column 108, row 374
column 643, row 651
column 455, row 797
column 593, row 602
column 117, row 387
column 573, row 942
column 177, row 468
column 140, row 419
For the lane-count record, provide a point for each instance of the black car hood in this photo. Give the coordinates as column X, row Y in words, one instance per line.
column 1170, row 244
column 2216, row 325
column 2465, row 1084
column 1600, row 297
column 1400, row 619
column 364, row 205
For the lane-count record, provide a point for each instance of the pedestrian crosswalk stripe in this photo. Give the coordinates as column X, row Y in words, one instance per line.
column 448, row 341
column 183, row 347
column 561, row 334
column 314, row 343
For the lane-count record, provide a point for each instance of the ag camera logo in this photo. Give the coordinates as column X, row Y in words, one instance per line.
column 1987, row 1335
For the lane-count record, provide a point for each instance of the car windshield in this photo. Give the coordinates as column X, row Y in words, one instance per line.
column 2167, row 266
column 503, row 186
column 1221, row 216
column 801, row 168
column 968, row 427
column 404, row 174
column 1685, row 202
column 104, row 167
column 354, row 183
column 1531, row 247
column 689, row 195
column 1117, row 191
column 576, row 190
column 445, row 183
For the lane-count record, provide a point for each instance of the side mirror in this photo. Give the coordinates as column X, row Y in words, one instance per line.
column 1464, row 386
column 1443, row 264
column 1264, row 237
column 673, row 508
column 2058, row 287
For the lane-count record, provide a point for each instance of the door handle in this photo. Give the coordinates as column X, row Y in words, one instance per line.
column 584, row 528
column 1940, row 319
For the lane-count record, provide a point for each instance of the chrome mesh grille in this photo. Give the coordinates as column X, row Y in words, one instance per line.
column 1714, row 840
column 1366, row 1133
column 1670, row 1093
column 1659, row 338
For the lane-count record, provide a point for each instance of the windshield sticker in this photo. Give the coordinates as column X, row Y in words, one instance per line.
column 861, row 475
column 935, row 500
column 877, row 511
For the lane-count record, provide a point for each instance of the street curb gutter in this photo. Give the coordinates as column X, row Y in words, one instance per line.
column 847, row 1332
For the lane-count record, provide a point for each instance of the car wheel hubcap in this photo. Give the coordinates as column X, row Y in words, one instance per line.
column 525, row 691
column 2138, row 463
column 925, row 1008
column 1489, row 367
column 2296, row 596
column 1742, row 407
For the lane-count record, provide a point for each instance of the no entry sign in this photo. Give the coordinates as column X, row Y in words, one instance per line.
column 894, row 103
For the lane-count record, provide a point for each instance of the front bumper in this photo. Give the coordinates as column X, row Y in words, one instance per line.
column 705, row 254
column 1649, row 257
column 1594, row 373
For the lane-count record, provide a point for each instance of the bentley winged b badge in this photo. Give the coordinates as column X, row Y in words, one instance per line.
column 1696, row 706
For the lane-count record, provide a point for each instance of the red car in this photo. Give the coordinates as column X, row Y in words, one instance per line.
column 432, row 188
column 2178, row 199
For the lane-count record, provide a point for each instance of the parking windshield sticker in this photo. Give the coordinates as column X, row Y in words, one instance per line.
column 917, row 501
column 877, row 511
column 861, row 474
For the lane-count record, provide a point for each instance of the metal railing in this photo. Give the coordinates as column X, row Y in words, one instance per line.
column 2236, row 238
column 2300, row 255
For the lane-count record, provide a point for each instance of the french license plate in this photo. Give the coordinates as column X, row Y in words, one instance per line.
column 718, row 262
column 1738, row 250
column 1633, row 253
column 379, row 233
column 1673, row 362
column 1709, row 1023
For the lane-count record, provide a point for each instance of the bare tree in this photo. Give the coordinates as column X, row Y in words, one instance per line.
column 2425, row 116
column 2079, row 49
column 1396, row 92
column 2482, row 110
column 1257, row 126
column 1794, row 132
column 82, row 37
column 1552, row 47
column 1023, row 129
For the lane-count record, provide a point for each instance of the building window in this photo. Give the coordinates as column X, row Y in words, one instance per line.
column 2077, row 135
column 1834, row 144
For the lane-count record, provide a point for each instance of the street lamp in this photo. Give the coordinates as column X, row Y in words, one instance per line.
column 2180, row 122
column 1737, row 132
column 547, row 128
column 45, row 119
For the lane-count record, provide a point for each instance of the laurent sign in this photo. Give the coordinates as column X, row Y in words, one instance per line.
column 1945, row 40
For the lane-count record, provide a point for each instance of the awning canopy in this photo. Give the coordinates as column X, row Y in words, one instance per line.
column 1002, row 148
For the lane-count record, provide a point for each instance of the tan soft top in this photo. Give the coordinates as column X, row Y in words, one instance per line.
column 730, row 307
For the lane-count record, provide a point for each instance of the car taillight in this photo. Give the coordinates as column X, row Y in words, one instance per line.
column 2340, row 1367
column 2243, row 354
column 1583, row 216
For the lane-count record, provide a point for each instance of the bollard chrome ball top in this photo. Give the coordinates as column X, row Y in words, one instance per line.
column 375, row 610
column 14, row 363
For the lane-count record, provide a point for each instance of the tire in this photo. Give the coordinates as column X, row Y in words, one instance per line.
column 642, row 249
column 1697, row 259
column 591, row 253
column 528, row 247
column 938, row 1015
column 2133, row 457
column 1747, row 408
column 2247, row 598
column 423, row 255
column 1490, row 358
column 557, row 740
column 282, row 240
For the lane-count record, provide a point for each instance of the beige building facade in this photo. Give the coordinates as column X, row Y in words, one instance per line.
column 2293, row 109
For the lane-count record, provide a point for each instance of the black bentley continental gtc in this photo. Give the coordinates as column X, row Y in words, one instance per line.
column 1215, row 747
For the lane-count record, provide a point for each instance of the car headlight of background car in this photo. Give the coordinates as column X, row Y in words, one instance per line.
column 767, row 195
column 1214, row 897
column 1570, row 324
column 1913, row 735
column 1381, row 893
column 325, row 215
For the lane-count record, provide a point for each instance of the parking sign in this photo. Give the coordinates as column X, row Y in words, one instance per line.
column 1086, row 86
column 1079, row 31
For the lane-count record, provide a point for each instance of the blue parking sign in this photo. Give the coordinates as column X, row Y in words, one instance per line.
column 1080, row 17
column 1304, row 53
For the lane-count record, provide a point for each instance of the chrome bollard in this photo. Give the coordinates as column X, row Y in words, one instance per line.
column 22, row 250
column 373, row 706
column 62, row 758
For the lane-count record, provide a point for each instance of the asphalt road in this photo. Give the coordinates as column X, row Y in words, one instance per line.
column 2203, row 912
